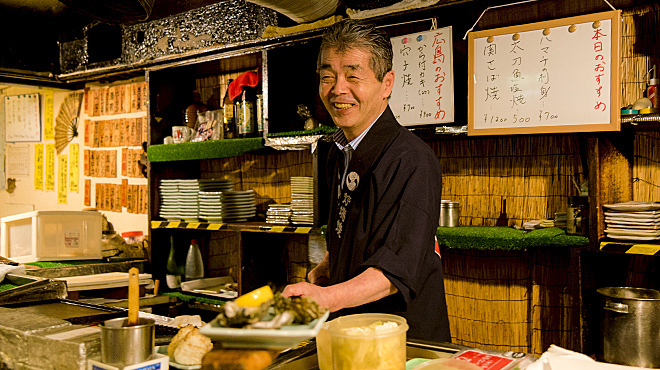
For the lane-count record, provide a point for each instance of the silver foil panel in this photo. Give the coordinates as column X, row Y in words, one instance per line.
column 225, row 22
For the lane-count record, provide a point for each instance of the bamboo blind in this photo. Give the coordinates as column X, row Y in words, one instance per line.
column 534, row 173
column 510, row 301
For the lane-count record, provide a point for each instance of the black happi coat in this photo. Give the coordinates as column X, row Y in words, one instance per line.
column 386, row 217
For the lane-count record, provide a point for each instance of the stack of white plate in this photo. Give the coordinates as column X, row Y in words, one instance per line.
column 216, row 184
column 279, row 213
column 179, row 200
column 238, row 206
column 633, row 221
column 302, row 200
column 210, row 206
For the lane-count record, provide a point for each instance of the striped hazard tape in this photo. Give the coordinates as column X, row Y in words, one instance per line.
column 218, row 226
column 186, row 225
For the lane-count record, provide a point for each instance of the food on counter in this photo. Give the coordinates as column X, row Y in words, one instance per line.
column 261, row 309
column 184, row 320
column 368, row 347
column 304, row 309
column 189, row 346
column 255, row 298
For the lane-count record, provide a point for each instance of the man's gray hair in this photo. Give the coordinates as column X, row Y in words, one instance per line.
column 354, row 34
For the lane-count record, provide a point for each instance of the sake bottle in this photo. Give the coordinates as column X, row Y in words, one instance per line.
column 194, row 263
column 174, row 268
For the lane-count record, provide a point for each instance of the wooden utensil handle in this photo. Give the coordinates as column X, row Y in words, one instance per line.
column 133, row 296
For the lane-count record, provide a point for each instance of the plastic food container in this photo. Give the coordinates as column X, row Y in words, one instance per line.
column 133, row 237
column 51, row 236
column 349, row 343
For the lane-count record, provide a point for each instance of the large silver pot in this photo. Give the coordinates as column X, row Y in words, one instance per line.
column 630, row 326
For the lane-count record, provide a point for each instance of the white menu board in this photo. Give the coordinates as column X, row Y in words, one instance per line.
column 546, row 77
column 22, row 118
column 423, row 90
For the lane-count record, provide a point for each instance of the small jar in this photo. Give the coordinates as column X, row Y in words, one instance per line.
column 577, row 216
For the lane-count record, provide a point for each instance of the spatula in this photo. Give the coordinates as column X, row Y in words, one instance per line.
column 133, row 296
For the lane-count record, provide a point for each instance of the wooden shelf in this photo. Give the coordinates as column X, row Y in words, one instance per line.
column 253, row 226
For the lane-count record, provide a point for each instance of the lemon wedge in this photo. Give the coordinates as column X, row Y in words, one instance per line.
column 255, row 297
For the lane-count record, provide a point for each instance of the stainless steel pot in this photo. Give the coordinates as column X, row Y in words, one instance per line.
column 123, row 345
column 630, row 326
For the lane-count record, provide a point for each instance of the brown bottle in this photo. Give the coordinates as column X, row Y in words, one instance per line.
column 229, row 118
column 503, row 220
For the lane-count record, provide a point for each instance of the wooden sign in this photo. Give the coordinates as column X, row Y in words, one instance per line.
column 423, row 90
column 547, row 77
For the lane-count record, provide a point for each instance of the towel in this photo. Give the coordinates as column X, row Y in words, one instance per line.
column 246, row 79
column 9, row 269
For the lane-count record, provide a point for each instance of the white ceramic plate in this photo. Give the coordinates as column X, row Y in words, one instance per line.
column 286, row 337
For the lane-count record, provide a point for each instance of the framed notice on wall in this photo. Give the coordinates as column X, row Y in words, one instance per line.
column 423, row 91
column 22, row 118
column 547, row 77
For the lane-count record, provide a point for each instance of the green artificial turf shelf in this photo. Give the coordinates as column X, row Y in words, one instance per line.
column 506, row 238
column 204, row 149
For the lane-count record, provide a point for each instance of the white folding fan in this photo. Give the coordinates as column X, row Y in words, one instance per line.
column 66, row 123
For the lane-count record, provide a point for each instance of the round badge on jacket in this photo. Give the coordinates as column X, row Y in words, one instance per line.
column 352, row 181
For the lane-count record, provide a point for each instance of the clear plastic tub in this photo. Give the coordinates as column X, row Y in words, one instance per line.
column 346, row 343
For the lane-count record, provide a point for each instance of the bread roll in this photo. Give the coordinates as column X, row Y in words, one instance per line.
column 189, row 346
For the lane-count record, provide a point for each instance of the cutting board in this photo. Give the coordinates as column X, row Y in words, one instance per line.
column 101, row 281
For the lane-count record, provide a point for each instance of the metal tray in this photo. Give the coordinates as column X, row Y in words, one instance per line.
column 31, row 288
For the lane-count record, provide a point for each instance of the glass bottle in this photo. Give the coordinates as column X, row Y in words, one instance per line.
column 247, row 112
column 194, row 263
column 259, row 105
column 174, row 269
column 229, row 118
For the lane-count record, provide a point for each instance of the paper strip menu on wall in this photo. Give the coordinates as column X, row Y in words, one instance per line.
column 547, row 77
column 423, row 90
column 22, row 118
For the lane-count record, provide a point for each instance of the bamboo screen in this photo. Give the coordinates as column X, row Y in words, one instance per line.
column 511, row 301
column 534, row 173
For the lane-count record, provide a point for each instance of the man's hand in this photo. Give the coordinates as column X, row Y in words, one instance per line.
column 319, row 294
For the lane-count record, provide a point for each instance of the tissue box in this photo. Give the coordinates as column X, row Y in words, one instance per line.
column 51, row 236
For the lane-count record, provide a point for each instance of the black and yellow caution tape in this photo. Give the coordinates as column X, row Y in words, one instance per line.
column 186, row 225
column 217, row 226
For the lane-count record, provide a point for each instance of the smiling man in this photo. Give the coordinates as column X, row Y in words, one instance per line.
column 386, row 188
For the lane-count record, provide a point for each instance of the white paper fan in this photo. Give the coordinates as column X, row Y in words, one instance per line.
column 66, row 123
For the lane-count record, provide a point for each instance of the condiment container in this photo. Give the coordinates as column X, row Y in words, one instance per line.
column 123, row 345
column 344, row 344
column 449, row 212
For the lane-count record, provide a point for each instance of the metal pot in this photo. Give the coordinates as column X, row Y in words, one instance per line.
column 123, row 345
column 630, row 326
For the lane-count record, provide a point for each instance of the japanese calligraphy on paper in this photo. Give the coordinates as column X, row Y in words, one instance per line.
column 550, row 79
column 423, row 90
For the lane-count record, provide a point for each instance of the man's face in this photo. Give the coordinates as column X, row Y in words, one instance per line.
column 350, row 90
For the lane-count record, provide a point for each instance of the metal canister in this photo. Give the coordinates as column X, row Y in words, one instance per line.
column 123, row 345
column 449, row 212
column 577, row 216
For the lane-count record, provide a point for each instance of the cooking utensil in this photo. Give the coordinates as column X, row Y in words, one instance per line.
column 133, row 296
column 630, row 326
column 123, row 345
